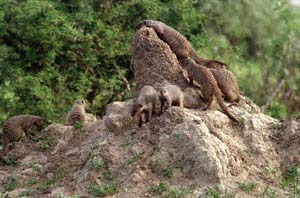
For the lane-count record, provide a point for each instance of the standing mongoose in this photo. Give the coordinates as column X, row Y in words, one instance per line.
column 208, row 84
column 178, row 43
column 77, row 113
column 145, row 104
column 228, row 84
column 170, row 95
column 14, row 126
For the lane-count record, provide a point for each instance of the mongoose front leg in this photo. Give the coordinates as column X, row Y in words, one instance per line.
column 162, row 107
column 181, row 103
column 149, row 115
column 209, row 101
column 141, row 119
column 191, row 81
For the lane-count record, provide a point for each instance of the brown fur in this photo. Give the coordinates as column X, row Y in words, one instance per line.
column 178, row 43
column 170, row 95
column 209, row 86
column 14, row 126
column 228, row 84
column 77, row 113
column 145, row 104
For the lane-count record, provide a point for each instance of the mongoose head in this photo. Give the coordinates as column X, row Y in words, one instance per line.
column 146, row 22
column 80, row 102
column 140, row 25
column 163, row 92
column 39, row 123
column 136, row 109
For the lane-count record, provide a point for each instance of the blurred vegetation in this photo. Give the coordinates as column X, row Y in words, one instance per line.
column 54, row 51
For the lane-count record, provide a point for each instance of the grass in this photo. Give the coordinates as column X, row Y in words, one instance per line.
column 291, row 179
column 103, row 190
column 163, row 190
column 213, row 192
column 168, row 172
column 107, row 176
column 36, row 168
column 78, row 125
column 159, row 189
column 269, row 193
column 133, row 159
column 175, row 193
column 45, row 187
column 11, row 185
column 247, row 186
column 267, row 172
column 26, row 193
column 96, row 164
column 32, row 181
column 48, row 144
column 9, row 162
column 61, row 195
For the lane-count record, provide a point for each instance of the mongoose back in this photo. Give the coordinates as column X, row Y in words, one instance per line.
column 208, row 84
column 14, row 126
column 77, row 113
column 170, row 95
column 228, row 84
column 178, row 43
column 145, row 104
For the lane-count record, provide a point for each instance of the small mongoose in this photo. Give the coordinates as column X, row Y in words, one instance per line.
column 228, row 84
column 169, row 95
column 14, row 126
column 145, row 104
column 178, row 43
column 208, row 84
column 77, row 113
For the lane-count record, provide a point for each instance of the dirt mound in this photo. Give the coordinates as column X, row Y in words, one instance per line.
column 154, row 61
column 182, row 153
column 187, row 151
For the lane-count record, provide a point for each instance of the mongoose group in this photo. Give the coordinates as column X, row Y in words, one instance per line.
column 211, row 75
column 15, row 126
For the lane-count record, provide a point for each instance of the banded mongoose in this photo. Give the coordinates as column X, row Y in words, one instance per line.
column 228, row 84
column 170, row 95
column 178, row 43
column 14, row 126
column 145, row 104
column 208, row 84
column 77, row 113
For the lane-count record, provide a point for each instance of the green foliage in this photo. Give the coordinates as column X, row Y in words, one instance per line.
column 26, row 193
column 102, row 191
column 291, row 180
column 158, row 189
column 48, row 143
column 166, row 191
column 78, row 125
column 213, row 192
column 168, row 172
column 53, row 52
column 11, row 184
column 97, row 165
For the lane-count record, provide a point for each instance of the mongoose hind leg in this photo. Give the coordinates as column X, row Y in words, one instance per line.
column 5, row 147
column 181, row 102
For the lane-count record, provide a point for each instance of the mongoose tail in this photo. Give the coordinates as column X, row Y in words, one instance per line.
column 205, row 62
column 222, row 105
